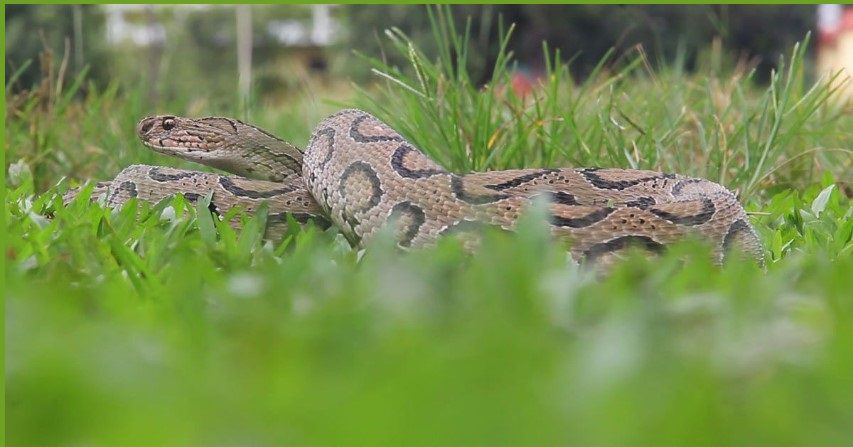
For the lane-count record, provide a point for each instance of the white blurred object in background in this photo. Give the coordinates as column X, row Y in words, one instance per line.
column 835, row 44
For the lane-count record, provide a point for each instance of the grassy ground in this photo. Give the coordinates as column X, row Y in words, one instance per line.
column 156, row 326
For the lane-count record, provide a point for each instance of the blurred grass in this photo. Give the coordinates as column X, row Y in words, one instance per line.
column 145, row 326
column 121, row 330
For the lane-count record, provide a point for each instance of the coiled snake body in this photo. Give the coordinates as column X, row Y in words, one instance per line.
column 360, row 175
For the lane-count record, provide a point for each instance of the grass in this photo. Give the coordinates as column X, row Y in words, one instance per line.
column 159, row 325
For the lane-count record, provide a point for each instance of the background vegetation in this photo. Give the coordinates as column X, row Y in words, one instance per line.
column 157, row 324
column 201, row 41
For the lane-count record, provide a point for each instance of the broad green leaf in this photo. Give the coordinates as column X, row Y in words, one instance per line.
column 819, row 203
column 204, row 217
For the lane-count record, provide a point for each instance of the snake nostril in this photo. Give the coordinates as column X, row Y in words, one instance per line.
column 146, row 125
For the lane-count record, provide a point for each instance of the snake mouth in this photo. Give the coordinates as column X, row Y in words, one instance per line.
column 159, row 146
column 162, row 148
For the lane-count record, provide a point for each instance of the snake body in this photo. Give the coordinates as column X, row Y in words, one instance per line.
column 360, row 175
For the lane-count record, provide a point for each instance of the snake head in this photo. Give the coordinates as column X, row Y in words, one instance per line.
column 222, row 143
column 187, row 138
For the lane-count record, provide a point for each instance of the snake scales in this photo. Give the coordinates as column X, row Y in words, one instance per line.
column 359, row 174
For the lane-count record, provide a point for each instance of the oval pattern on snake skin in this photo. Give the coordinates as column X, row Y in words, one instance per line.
column 192, row 197
column 642, row 202
column 324, row 141
column 602, row 248
column 228, row 184
column 462, row 227
column 159, row 176
column 115, row 196
column 398, row 163
column 708, row 210
column 583, row 221
column 738, row 229
column 409, row 218
column 457, row 185
column 520, row 180
column 558, row 197
column 676, row 189
column 356, row 134
column 301, row 218
column 563, row 198
column 130, row 187
column 599, row 182
column 360, row 190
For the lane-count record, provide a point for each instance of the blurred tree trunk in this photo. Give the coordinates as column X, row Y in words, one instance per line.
column 244, row 54
column 155, row 57
column 77, row 14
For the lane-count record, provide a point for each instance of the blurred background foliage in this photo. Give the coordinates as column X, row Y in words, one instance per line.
column 584, row 33
column 194, row 46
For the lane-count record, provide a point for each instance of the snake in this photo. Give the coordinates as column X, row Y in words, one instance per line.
column 361, row 176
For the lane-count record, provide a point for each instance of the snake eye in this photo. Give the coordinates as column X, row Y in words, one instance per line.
column 168, row 124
